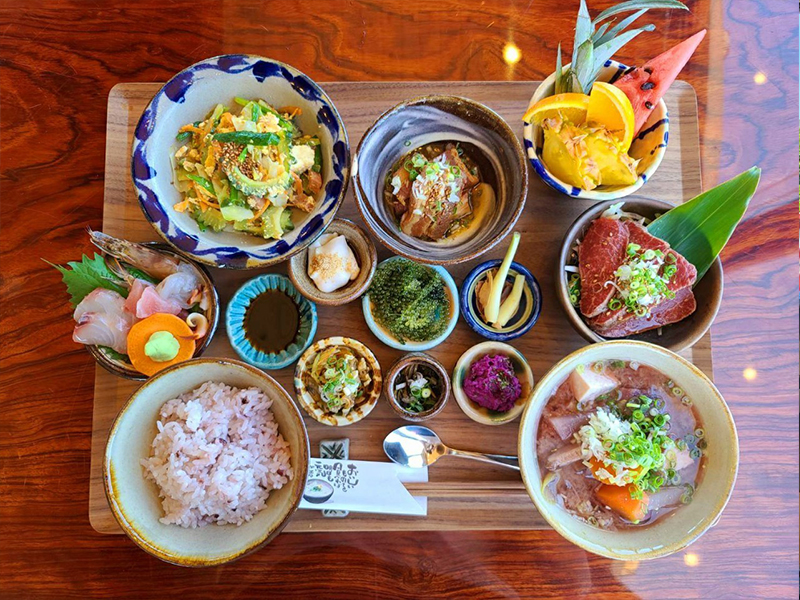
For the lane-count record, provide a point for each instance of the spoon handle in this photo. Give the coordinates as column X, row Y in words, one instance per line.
column 511, row 462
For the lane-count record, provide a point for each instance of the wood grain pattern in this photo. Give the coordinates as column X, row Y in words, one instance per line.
column 58, row 62
column 547, row 215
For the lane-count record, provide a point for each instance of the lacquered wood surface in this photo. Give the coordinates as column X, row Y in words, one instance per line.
column 58, row 62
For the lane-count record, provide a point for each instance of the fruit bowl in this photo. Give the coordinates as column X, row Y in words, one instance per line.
column 648, row 146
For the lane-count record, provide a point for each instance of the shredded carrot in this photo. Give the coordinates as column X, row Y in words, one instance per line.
column 191, row 128
column 298, row 184
column 210, row 159
column 261, row 210
column 182, row 206
column 292, row 111
column 225, row 120
column 201, row 191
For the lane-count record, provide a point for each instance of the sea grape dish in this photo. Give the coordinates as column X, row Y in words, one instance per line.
column 441, row 190
column 626, row 281
column 621, row 445
column 248, row 167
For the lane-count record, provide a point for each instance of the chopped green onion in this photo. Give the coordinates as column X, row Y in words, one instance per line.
column 700, row 433
column 677, row 391
column 614, row 304
column 671, row 258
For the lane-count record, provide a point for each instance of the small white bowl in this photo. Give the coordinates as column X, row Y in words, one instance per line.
column 676, row 530
column 387, row 338
column 521, row 368
column 649, row 145
column 134, row 500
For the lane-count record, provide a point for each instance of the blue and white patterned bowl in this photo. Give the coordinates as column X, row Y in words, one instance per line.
column 237, row 309
column 649, row 146
column 526, row 316
column 409, row 346
column 188, row 97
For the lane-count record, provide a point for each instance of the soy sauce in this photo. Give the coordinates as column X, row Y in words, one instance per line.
column 271, row 322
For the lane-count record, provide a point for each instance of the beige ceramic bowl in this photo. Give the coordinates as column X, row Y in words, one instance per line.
column 306, row 388
column 365, row 254
column 406, row 361
column 682, row 527
column 134, row 500
column 521, row 369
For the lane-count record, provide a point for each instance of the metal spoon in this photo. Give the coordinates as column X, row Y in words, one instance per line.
column 416, row 446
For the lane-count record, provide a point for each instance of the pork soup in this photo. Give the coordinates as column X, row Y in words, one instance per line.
column 620, row 445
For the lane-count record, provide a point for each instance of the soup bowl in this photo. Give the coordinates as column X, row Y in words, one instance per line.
column 684, row 525
column 188, row 97
column 415, row 123
column 135, row 501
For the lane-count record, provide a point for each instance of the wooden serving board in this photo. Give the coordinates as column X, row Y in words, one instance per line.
column 461, row 494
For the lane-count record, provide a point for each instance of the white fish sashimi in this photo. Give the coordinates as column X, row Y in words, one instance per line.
column 135, row 294
column 151, row 302
column 180, row 288
column 101, row 320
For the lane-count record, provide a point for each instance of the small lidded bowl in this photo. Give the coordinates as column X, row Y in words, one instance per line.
column 677, row 336
column 366, row 257
column 403, row 395
column 420, row 122
column 325, row 359
column 522, row 372
column 527, row 314
column 648, row 147
column 269, row 323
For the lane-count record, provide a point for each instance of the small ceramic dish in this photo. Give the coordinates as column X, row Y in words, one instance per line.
column 675, row 337
column 415, row 123
column 135, row 501
column 123, row 368
column 426, row 361
column 521, row 369
column 366, row 256
column 237, row 311
column 526, row 316
column 649, row 145
column 188, row 97
column 387, row 338
column 307, row 390
column 686, row 524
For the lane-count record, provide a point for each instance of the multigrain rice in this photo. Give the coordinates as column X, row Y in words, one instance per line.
column 217, row 456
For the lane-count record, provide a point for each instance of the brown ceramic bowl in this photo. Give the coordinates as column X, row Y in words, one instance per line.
column 366, row 256
column 406, row 361
column 675, row 337
column 135, row 501
column 415, row 123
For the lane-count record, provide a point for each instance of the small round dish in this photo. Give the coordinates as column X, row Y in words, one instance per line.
column 188, row 97
column 237, row 310
column 135, row 501
column 649, row 146
column 124, row 369
column 681, row 528
column 306, row 388
column 408, row 360
column 675, row 337
column 521, row 369
column 365, row 254
column 387, row 338
column 526, row 316
column 420, row 121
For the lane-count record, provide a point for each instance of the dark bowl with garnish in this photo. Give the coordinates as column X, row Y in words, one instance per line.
column 440, row 179
column 676, row 336
column 417, row 387
column 269, row 322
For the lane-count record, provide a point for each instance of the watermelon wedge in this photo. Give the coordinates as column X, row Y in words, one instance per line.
column 646, row 85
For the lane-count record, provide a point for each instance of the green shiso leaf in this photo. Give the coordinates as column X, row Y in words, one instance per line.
column 700, row 228
column 87, row 275
column 637, row 5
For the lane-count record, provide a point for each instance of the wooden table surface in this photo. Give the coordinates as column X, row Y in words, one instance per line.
column 58, row 61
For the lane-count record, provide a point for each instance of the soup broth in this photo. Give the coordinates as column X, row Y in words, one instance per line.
column 620, row 445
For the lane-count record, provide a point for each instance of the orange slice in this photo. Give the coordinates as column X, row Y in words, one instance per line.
column 572, row 107
column 610, row 107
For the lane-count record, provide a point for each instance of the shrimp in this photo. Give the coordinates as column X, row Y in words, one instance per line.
column 156, row 264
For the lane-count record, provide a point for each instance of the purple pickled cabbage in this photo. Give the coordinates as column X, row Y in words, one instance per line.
column 491, row 383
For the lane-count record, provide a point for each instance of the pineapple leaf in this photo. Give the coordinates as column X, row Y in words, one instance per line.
column 583, row 29
column 598, row 35
column 637, row 5
column 559, row 71
column 606, row 50
column 602, row 38
column 583, row 66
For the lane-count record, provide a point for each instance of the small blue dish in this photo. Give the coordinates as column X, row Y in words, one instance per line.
column 237, row 309
column 526, row 316
column 410, row 346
